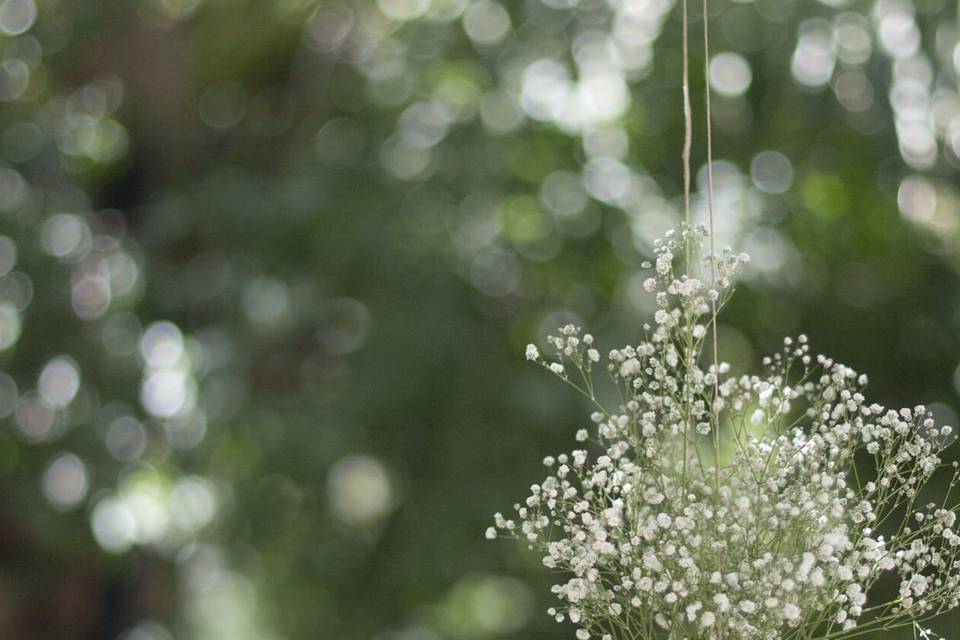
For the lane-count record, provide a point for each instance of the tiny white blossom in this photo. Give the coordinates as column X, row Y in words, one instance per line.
column 791, row 612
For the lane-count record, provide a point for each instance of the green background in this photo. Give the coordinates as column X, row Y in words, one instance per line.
column 357, row 214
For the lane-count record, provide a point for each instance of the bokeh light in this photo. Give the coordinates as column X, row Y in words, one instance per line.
column 360, row 490
column 730, row 74
column 65, row 482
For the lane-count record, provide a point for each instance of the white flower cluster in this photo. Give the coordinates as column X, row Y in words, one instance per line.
column 752, row 507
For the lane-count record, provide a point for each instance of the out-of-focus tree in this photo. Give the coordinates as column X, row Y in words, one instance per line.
column 269, row 266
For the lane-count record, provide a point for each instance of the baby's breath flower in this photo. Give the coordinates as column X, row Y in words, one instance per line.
column 720, row 506
column 532, row 352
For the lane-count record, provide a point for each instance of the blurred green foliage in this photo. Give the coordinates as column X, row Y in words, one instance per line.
column 288, row 253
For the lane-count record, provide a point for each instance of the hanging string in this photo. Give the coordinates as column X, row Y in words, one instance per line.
column 687, row 142
column 687, row 129
column 706, row 76
column 713, row 252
